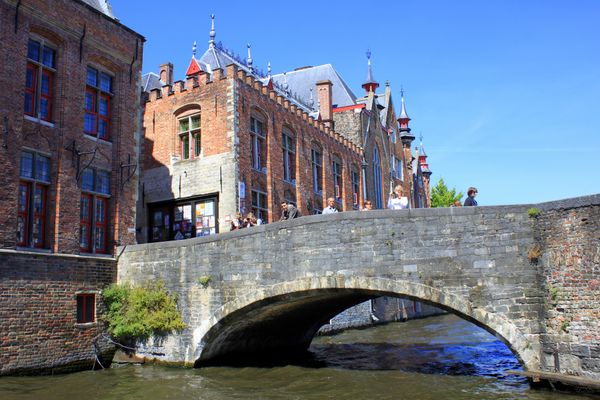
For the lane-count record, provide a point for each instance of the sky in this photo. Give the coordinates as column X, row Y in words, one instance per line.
column 506, row 93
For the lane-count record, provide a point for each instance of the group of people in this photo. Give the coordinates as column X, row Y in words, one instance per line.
column 397, row 201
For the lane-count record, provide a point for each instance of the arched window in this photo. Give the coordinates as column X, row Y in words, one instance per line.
column 377, row 178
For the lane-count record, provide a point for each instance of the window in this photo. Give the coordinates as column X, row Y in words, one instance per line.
column 189, row 137
column 93, row 214
column 355, row 178
column 289, row 157
column 317, row 171
column 377, row 178
column 398, row 168
column 260, row 207
column 183, row 219
column 39, row 80
column 86, row 308
column 337, row 179
column 32, row 199
column 98, row 99
column 258, row 147
column 392, row 136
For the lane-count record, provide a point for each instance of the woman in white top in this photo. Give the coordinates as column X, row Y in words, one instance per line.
column 397, row 199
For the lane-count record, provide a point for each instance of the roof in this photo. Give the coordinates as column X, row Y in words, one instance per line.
column 151, row 81
column 101, row 5
column 300, row 83
column 216, row 56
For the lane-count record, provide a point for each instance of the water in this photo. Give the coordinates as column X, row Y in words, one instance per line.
column 436, row 358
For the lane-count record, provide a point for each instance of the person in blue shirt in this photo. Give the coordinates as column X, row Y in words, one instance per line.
column 470, row 201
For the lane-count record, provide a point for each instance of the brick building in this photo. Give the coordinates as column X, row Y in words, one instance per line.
column 68, row 149
column 231, row 138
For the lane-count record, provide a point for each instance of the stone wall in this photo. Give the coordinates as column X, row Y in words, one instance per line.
column 39, row 332
column 568, row 233
column 273, row 286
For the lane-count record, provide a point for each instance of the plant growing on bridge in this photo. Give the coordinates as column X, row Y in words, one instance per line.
column 441, row 196
column 533, row 212
column 138, row 312
column 204, row 280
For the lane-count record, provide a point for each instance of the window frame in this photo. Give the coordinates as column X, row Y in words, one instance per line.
column 40, row 69
column 81, row 316
column 98, row 94
column 398, row 168
column 28, row 214
column 190, row 140
column 91, row 222
column 337, row 171
column 259, row 209
column 258, row 144
column 317, row 170
column 288, row 145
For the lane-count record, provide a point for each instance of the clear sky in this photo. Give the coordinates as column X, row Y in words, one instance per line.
column 506, row 93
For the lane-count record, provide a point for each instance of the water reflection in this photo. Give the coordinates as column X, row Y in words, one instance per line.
column 436, row 358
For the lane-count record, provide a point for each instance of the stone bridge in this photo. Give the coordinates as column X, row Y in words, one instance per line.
column 532, row 281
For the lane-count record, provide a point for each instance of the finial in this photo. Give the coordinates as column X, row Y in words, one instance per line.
column 285, row 83
column 269, row 69
column 387, row 83
column 401, row 91
column 421, row 138
column 212, row 32
column 311, row 101
column 194, row 50
column 369, row 55
column 249, row 59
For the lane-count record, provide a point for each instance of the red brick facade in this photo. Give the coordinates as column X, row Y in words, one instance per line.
column 79, row 37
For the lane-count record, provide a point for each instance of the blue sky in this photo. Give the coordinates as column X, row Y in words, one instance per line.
column 505, row 93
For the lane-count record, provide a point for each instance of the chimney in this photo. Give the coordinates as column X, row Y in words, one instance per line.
column 166, row 73
column 324, row 95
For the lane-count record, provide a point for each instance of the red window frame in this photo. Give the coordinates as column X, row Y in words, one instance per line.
column 33, row 88
column 48, row 96
column 85, row 221
column 41, row 216
column 105, row 118
column 102, row 225
column 92, row 111
column 24, row 213
column 85, row 301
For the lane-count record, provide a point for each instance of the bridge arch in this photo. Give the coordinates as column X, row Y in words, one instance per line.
column 286, row 316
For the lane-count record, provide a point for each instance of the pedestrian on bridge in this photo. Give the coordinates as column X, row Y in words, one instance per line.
column 397, row 199
column 470, row 201
column 288, row 211
column 330, row 209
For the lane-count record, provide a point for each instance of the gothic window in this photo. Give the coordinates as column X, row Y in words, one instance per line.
column 98, row 103
column 39, row 79
column 377, row 179
column 258, row 144
column 189, row 137
column 289, row 156
column 95, row 192
column 32, row 199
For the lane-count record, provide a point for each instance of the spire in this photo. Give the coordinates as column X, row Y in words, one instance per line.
column 423, row 158
column 194, row 67
column 212, row 33
column 311, row 101
column 269, row 70
column 370, row 84
column 403, row 120
column 285, row 83
column 194, row 47
column 249, row 59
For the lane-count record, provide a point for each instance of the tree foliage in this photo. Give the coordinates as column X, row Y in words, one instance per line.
column 441, row 196
column 138, row 312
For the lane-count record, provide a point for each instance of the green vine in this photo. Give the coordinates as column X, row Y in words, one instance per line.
column 138, row 312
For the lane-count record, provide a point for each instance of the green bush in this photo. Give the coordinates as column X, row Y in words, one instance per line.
column 138, row 312
column 533, row 212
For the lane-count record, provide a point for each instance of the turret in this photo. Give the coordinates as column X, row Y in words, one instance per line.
column 194, row 68
column 403, row 120
column 370, row 84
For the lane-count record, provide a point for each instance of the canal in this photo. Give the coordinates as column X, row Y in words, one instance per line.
column 440, row 357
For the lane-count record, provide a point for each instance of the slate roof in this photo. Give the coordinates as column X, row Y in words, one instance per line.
column 101, row 5
column 301, row 81
column 151, row 81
